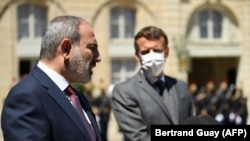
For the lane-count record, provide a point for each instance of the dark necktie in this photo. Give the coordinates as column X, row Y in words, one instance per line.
column 77, row 105
column 167, row 99
column 161, row 85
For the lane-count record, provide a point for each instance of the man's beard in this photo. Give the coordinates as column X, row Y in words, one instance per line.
column 79, row 68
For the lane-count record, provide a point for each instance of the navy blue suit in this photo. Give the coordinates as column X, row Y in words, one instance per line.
column 37, row 110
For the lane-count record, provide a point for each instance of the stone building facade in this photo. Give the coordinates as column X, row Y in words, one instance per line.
column 208, row 39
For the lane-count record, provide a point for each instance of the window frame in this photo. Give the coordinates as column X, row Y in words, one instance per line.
column 123, row 19
column 209, row 24
column 31, row 20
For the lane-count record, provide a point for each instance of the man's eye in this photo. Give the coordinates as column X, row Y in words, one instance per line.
column 92, row 46
column 158, row 51
column 145, row 52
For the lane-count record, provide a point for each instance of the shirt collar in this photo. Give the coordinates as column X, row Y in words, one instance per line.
column 152, row 79
column 58, row 79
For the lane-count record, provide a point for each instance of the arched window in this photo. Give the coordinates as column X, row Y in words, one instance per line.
column 32, row 20
column 210, row 24
column 122, row 23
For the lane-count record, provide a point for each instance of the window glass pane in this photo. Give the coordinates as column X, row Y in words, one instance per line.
column 23, row 11
column 116, row 65
column 116, row 68
column 22, row 19
column 217, row 19
column 115, row 12
column 203, row 32
column 130, row 23
column 40, row 20
column 203, row 24
column 114, row 16
column 23, row 31
column 122, row 69
column 129, row 31
column 130, row 65
column 114, row 31
column 130, row 68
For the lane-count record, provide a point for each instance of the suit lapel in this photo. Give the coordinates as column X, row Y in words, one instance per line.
column 60, row 98
column 89, row 113
column 148, row 89
column 173, row 91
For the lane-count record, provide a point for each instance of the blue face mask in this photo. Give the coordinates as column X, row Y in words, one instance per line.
column 153, row 63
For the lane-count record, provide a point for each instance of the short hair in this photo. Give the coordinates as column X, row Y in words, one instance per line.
column 150, row 33
column 59, row 28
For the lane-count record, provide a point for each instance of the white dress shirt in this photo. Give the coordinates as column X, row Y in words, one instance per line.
column 58, row 79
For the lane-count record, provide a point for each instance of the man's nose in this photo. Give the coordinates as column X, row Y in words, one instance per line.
column 97, row 57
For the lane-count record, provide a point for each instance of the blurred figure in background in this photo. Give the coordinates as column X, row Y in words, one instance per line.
column 239, row 112
column 102, row 103
column 193, row 89
column 204, row 97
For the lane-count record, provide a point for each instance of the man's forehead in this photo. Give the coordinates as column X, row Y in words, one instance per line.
column 87, row 33
column 149, row 42
column 85, row 28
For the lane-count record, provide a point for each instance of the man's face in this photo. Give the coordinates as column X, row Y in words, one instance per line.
column 85, row 56
column 146, row 46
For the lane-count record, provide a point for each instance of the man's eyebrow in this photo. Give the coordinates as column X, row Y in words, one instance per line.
column 94, row 44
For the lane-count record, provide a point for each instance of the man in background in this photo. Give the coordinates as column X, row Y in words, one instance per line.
column 150, row 97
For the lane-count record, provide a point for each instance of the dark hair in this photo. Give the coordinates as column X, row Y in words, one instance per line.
column 150, row 33
column 57, row 29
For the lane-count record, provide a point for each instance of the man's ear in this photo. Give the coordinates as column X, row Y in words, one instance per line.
column 137, row 58
column 66, row 47
column 166, row 52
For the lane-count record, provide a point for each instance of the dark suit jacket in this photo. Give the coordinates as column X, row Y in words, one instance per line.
column 137, row 106
column 37, row 110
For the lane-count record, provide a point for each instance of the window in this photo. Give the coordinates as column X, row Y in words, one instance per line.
column 210, row 23
column 217, row 20
column 203, row 21
column 122, row 23
column 213, row 25
column 122, row 69
column 32, row 20
column 25, row 67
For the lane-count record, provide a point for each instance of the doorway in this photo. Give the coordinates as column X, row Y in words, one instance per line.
column 215, row 69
